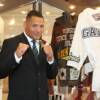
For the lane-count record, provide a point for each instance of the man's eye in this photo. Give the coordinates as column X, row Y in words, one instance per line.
column 42, row 26
column 34, row 25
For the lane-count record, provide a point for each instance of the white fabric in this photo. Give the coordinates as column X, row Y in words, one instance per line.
column 88, row 68
column 17, row 59
column 86, row 42
column 98, row 95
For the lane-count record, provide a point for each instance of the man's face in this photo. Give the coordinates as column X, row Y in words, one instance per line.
column 34, row 27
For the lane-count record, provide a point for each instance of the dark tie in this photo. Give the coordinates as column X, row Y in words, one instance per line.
column 35, row 51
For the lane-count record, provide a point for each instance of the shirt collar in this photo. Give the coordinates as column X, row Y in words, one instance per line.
column 30, row 39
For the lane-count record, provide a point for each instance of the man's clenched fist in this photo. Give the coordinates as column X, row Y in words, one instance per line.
column 21, row 49
column 48, row 51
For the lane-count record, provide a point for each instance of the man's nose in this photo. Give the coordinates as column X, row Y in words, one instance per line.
column 39, row 29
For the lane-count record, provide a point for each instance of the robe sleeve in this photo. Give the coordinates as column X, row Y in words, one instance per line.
column 78, row 52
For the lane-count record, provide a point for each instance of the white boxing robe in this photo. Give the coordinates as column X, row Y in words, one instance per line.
column 86, row 42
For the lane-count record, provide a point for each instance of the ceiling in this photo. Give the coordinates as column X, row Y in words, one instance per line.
column 80, row 4
column 12, row 4
column 61, row 4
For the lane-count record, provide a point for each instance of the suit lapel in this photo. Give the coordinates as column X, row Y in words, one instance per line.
column 23, row 39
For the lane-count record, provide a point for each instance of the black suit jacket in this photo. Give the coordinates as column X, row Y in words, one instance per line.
column 28, row 79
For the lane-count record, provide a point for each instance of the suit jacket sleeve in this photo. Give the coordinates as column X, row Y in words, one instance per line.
column 7, row 60
column 52, row 70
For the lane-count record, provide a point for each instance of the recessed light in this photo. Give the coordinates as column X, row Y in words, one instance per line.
column 47, row 13
column 72, row 7
column 12, row 22
column 1, row 4
column 23, row 12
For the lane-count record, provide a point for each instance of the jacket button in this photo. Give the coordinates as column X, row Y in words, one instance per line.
column 38, row 74
column 39, row 89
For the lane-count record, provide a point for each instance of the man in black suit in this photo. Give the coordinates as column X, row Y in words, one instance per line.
column 28, row 71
